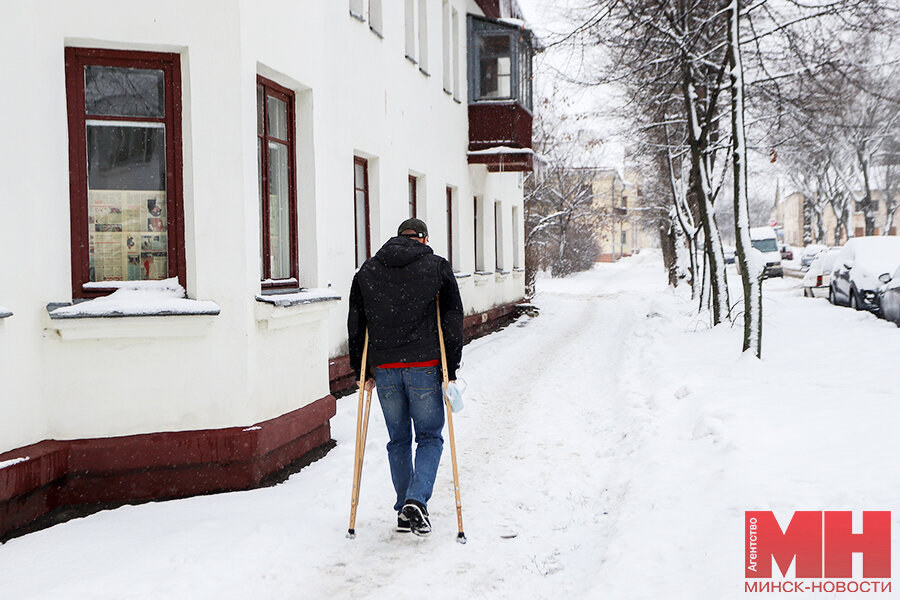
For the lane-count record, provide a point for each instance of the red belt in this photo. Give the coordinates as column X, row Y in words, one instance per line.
column 404, row 365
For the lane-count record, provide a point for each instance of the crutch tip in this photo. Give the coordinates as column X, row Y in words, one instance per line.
column 461, row 537
column 351, row 534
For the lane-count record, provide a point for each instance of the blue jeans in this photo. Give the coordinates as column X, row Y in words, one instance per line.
column 412, row 397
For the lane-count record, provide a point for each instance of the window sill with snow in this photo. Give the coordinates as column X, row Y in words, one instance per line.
column 277, row 311
column 137, row 309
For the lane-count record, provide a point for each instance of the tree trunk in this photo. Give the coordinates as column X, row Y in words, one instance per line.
column 866, row 205
column 807, row 221
column 667, row 240
column 699, row 182
column 751, row 281
column 820, row 226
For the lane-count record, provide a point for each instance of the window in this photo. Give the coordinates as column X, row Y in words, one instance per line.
column 410, row 23
column 478, row 234
column 498, row 236
column 275, row 151
column 501, row 62
column 361, row 209
column 423, row 36
column 624, row 238
column 413, row 185
column 515, row 237
column 357, row 9
column 445, row 44
column 454, row 51
column 375, row 18
column 452, row 229
column 124, row 113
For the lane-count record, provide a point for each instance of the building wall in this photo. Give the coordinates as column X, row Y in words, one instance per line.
column 789, row 215
column 618, row 201
column 356, row 93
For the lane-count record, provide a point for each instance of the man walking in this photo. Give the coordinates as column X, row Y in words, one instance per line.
column 395, row 296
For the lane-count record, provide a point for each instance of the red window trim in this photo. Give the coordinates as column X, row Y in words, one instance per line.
column 497, row 262
column 414, row 188
column 475, row 228
column 365, row 189
column 270, row 88
column 450, row 227
column 170, row 63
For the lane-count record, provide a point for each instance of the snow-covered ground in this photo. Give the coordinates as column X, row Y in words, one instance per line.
column 608, row 449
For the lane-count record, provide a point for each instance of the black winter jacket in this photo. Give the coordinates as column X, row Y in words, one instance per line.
column 393, row 294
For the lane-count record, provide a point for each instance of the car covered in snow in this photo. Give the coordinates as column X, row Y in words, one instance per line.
column 861, row 270
column 889, row 299
column 809, row 254
column 817, row 280
column 765, row 240
column 729, row 253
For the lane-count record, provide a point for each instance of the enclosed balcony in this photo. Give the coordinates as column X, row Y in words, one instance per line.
column 500, row 117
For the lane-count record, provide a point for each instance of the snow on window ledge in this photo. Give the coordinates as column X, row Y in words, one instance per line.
column 135, row 299
column 5, row 312
column 278, row 311
column 304, row 296
column 139, row 309
column 462, row 275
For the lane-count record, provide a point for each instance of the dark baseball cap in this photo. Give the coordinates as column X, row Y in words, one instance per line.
column 416, row 225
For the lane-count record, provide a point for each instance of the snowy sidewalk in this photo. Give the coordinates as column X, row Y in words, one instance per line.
column 608, row 449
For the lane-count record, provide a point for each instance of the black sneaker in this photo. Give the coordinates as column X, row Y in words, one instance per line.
column 417, row 515
column 402, row 523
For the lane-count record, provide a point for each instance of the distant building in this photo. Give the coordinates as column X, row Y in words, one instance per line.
column 792, row 222
column 617, row 198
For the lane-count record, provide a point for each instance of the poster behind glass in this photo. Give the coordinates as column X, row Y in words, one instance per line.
column 127, row 220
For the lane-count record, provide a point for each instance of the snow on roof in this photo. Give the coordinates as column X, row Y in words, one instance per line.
column 876, row 253
column 502, row 150
column 760, row 233
column 516, row 22
column 138, row 299
column 14, row 461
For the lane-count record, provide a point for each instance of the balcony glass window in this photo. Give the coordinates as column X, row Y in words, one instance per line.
column 500, row 62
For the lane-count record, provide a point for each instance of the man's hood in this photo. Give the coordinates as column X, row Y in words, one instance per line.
column 400, row 251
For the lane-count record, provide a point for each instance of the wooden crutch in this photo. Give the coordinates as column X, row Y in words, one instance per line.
column 362, row 428
column 460, row 537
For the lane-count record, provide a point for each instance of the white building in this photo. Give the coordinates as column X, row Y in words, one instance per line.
column 139, row 142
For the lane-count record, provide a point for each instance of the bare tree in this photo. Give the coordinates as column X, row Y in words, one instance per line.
column 675, row 58
column 560, row 214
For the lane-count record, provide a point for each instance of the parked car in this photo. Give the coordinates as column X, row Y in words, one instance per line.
column 817, row 280
column 862, row 267
column 729, row 254
column 765, row 240
column 889, row 299
column 787, row 253
column 809, row 255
